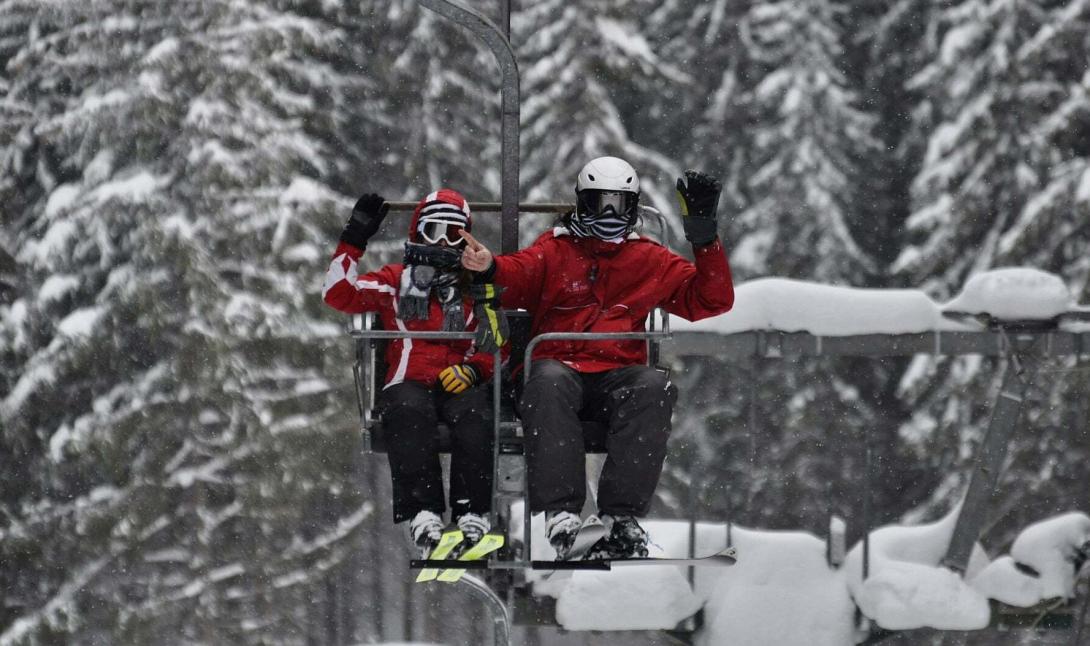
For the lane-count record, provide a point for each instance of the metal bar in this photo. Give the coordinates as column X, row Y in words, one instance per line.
column 527, row 515
column 417, row 564
column 497, row 373
column 988, row 464
column 494, row 37
column 867, row 471
column 570, row 565
column 362, row 374
column 586, row 336
column 407, row 334
column 501, row 621
column 771, row 344
column 495, row 207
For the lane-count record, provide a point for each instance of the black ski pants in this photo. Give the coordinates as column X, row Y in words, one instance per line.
column 635, row 404
column 411, row 413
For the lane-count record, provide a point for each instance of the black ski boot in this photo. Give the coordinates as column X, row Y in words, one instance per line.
column 626, row 540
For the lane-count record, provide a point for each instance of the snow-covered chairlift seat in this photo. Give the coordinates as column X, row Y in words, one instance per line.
column 370, row 367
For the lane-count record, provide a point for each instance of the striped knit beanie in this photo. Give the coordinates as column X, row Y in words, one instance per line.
column 444, row 206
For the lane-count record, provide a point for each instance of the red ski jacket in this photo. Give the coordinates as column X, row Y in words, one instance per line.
column 408, row 359
column 573, row 284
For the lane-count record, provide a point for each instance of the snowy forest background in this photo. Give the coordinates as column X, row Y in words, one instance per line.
column 179, row 454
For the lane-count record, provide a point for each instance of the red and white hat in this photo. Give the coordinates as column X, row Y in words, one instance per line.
column 439, row 212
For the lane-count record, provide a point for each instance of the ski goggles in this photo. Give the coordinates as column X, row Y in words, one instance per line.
column 436, row 231
column 596, row 203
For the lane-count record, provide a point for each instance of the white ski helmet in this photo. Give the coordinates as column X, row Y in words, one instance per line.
column 607, row 196
column 608, row 174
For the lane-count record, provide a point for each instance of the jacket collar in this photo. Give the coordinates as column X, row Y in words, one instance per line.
column 594, row 245
column 565, row 231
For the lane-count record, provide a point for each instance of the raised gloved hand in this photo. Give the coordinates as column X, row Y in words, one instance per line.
column 699, row 197
column 492, row 328
column 366, row 219
column 459, row 378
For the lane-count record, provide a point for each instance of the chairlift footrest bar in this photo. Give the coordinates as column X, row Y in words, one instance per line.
column 570, row 565
column 420, row 564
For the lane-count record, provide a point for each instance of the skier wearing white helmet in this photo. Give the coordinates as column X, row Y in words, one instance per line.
column 594, row 274
column 607, row 193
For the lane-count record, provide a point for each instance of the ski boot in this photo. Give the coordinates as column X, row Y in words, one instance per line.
column 473, row 526
column 625, row 540
column 561, row 528
column 425, row 530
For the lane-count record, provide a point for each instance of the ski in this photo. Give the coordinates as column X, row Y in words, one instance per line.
column 724, row 558
column 489, row 543
column 450, row 540
column 590, row 533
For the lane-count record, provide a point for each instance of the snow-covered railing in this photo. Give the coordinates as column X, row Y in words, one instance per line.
column 776, row 317
column 1019, row 313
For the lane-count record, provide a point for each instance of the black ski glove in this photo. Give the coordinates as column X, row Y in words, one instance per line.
column 699, row 197
column 366, row 219
column 492, row 328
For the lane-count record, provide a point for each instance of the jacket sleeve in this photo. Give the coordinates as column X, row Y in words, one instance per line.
column 697, row 290
column 345, row 290
column 522, row 274
column 482, row 361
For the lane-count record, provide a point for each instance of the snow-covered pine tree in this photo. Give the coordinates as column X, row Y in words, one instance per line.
column 436, row 87
column 1051, row 231
column 811, row 143
column 990, row 87
column 701, row 118
column 1001, row 179
column 788, row 438
column 578, row 62
column 886, row 44
column 176, row 459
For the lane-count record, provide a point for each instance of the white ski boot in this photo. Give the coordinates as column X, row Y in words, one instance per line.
column 561, row 528
column 473, row 527
column 425, row 530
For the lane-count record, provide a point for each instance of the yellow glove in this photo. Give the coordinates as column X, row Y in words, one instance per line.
column 458, row 378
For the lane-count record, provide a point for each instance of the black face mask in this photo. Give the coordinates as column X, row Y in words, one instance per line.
column 442, row 258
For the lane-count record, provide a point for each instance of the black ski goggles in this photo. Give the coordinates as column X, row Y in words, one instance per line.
column 596, row 203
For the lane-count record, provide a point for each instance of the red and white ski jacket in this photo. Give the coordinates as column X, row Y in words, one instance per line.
column 573, row 284
column 416, row 360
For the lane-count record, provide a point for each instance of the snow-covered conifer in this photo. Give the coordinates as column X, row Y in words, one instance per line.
column 811, row 143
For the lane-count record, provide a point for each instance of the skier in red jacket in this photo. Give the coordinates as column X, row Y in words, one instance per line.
column 427, row 380
column 594, row 274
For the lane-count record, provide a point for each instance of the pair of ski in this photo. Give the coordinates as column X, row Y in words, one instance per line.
column 450, row 541
column 594, row 530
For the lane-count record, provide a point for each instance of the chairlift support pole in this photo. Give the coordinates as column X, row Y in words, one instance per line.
column 987, row 463
column 497, row 41
column 501, row 621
